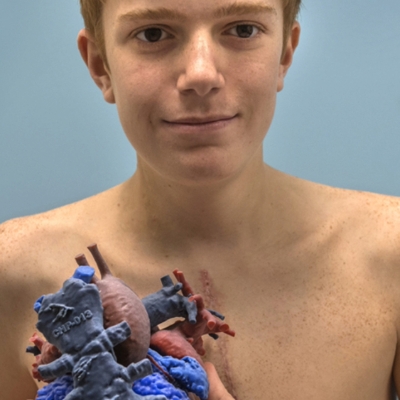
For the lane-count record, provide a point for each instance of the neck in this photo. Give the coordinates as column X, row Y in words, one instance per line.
column 239, row 211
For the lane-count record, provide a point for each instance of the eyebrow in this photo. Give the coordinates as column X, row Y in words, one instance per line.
column 233, row 9
column 243, row 9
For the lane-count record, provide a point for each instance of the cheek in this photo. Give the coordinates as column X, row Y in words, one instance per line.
column 136, row 94
column 260, row 94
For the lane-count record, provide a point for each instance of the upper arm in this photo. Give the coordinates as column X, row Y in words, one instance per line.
column 379, row 222
column 390, row 258
column 16, row 323
column 16, row 381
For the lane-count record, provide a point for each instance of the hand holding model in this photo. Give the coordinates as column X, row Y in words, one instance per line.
column 217, row 388
column 102, row 339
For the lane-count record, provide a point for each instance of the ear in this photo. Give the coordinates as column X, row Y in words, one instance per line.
column 287, row 56
column 98, row 69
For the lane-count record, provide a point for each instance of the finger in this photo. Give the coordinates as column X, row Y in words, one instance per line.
column 211, row 324
column 217, row 388
column 230, row 332
column 199, row 301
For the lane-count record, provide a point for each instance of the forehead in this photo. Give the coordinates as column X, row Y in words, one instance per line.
column 117, row 11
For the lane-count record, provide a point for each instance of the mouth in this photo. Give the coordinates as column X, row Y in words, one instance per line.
column 201, row 120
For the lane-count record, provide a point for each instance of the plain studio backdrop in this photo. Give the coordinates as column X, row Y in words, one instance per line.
column 337, row 120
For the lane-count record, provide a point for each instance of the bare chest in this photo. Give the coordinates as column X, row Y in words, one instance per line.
column 304, row 331
column 329, row 337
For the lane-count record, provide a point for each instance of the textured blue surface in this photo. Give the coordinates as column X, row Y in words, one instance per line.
column 188, row 374
column 56, row 390
column 156, row 384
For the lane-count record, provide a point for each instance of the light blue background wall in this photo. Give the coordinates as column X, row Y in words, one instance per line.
column 337, row 122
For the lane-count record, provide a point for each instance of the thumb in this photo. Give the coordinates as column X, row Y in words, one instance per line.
column 217, row 388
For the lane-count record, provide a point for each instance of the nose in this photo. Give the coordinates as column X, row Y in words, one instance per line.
column 200, row 73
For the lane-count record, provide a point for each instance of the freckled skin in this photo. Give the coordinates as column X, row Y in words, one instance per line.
column 314, row 312
column 309, row 275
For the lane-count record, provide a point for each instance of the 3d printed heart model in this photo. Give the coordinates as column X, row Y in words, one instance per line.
column 103, row 342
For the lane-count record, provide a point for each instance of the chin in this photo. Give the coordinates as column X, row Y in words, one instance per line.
column 203, row 167
column 205, row 174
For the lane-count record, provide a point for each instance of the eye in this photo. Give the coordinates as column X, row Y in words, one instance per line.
column 152, row 35
column 244, row 31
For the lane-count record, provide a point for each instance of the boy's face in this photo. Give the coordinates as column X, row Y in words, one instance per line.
column 176, row 65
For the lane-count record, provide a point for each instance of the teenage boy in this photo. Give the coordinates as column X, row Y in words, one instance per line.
column 307, row 275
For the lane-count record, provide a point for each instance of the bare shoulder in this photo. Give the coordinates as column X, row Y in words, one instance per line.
column 367, row 227
column 375, row 217
column 36, row 256
column 20, row 281
column 368, row 224
column 374, row 214
column 34, row 234
column 36, row 251
column 30, row 238
column 373, row 226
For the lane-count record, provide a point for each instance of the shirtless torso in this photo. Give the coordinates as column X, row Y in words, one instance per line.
column 314, row 301
column 307, row 275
